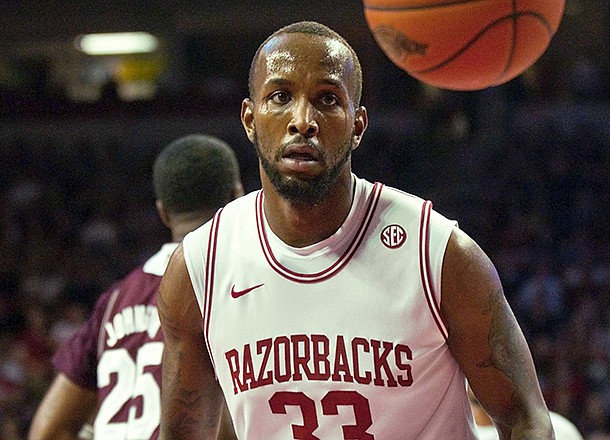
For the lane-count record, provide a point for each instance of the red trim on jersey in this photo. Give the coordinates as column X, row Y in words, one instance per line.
column 210, row 266
column 424, row 268
column 335, row 267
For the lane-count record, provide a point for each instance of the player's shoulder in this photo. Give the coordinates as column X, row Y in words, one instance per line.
column 239, row 206
column 388, row 193
column 140, row 285
column 136, row 276
column 244, row 202
column 407, row 200
column 399, row 196
column 124, row 283
column 234, row 211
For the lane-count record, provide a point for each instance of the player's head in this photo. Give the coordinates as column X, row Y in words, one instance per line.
column 303, row 114
column 311, row 28
column 195, row 175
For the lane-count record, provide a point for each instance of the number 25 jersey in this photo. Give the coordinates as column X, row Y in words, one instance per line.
column 342, row 339
column 117, row 354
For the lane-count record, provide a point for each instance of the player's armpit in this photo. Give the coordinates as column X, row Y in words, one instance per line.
column 488, row 343
column 191, row 399
column 65, row 408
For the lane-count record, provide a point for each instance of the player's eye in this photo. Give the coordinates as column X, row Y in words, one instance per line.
column 329, row 99
column 280, row 97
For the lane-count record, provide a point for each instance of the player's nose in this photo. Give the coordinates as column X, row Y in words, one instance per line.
column 303, row 119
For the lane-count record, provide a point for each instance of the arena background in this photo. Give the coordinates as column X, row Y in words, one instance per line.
column 524, row 168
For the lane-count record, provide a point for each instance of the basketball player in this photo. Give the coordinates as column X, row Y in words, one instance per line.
column 328, row 307
column 111, row 366
column 564, row 429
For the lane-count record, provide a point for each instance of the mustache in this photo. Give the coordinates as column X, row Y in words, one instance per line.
column 301, row 142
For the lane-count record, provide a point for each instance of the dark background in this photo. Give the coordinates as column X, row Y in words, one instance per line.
column 524, row 167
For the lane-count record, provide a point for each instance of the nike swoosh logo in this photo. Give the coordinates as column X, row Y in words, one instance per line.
column 238, row 293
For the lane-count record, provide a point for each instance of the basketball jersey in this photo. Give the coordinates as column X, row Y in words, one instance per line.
column 118, row 354
column 342, row 339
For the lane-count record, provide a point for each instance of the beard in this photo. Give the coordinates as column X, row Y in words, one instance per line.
column 305, row 191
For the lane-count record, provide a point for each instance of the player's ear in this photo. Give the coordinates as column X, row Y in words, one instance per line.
column 162, row 212
column 238, row 191
column 247, row 119
column 361, row 122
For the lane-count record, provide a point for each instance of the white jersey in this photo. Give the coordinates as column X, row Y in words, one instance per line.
column 342, row 339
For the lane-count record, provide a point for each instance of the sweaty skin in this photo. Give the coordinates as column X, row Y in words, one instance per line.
column 304, row 99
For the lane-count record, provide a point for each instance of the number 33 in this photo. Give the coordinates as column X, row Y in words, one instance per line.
column 330, row 406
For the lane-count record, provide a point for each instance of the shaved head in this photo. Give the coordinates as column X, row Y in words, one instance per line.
column 313, row 28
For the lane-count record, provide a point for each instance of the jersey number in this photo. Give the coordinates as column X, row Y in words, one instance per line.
column 330, row 406
column 133, row 381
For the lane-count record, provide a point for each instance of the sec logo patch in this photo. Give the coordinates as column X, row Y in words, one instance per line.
column 393, row 236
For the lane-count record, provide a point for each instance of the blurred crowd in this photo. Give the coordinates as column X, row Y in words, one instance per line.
column 74, row 219
column 531, row 186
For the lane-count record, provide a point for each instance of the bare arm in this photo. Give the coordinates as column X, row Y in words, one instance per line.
column 191, row 399
column 487, row 342
column 227, row 432
column 65, row 408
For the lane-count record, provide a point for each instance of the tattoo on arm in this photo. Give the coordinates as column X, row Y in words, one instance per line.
column 185, row 401
column 504, row 336
column 187, row 409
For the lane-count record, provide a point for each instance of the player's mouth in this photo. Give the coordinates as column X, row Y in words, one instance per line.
column 301, row 158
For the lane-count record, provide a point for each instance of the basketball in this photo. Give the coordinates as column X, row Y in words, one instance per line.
column 463, row 44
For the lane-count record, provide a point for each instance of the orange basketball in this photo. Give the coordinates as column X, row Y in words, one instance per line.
column 463, row 44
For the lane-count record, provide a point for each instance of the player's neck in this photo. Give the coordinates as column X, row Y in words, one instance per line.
column 304, row 224
column 182, row 224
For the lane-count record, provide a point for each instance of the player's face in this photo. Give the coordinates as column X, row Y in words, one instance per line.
column 302, row 117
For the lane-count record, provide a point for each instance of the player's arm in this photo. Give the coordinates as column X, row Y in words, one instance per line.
column 227, row 431
column 487, row 342
column 191, row 399
column 65, row 408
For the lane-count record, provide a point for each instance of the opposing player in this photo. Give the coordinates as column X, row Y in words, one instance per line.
column 328, row 307
column 111, row 367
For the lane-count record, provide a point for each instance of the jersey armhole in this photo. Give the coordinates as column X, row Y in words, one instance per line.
column 430, row 271
column 203, row 285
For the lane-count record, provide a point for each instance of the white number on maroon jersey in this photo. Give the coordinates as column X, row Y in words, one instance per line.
column 330, row 406
column 132, row 381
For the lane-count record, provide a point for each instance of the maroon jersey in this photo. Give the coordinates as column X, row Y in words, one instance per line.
column 117, row 352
